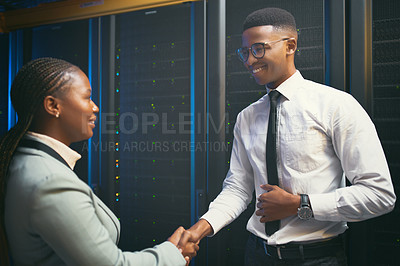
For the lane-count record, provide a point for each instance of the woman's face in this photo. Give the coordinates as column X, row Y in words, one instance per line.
column 77, row 110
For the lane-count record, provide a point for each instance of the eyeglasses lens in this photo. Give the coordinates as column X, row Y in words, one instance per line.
column 243, row 54
column 257, row 49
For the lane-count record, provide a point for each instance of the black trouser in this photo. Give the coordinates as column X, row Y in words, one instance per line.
column 309, row 255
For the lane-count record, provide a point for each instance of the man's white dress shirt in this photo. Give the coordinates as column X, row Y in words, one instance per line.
column 323, row 135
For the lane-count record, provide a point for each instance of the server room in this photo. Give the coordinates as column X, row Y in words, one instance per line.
column 139, row 132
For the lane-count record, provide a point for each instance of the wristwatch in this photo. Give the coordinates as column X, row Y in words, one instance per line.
column 304, row 212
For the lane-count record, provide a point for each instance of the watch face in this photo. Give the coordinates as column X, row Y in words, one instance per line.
column 305, row 213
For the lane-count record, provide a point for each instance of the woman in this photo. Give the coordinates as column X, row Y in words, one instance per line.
column 50, row 216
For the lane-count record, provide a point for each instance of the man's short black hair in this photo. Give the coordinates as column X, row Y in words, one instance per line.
column 276, row 17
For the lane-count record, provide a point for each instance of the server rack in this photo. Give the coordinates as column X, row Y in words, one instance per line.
column 155, row 123
column 375, row 65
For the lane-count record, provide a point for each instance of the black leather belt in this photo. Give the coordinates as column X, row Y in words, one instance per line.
column 292, row 251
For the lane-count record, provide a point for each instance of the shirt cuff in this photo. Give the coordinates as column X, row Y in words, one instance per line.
column 215, row 219
column 324, row 207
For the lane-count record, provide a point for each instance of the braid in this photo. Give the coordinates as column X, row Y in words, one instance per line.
column 34, row 81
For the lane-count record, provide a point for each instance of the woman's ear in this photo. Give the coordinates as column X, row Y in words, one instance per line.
column 51, row 106
column 291, row 46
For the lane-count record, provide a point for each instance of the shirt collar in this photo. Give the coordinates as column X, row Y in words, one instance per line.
column 68, row 154
column 286, row 87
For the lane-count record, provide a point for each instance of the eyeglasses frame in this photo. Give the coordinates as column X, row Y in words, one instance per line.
column 263, row 44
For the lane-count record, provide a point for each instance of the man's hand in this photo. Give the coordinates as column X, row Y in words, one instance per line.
column 191, row 238
column 276, row 204
column 197, row 232
column 188, row 249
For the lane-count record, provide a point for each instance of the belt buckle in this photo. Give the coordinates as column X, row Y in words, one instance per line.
column 278, row 250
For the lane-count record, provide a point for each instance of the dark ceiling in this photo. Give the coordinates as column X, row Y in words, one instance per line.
column 7, row 5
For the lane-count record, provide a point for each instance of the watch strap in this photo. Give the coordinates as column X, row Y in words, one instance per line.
column 304, row 200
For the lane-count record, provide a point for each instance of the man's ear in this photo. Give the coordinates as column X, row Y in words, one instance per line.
column 291, row 46
column 51, row 106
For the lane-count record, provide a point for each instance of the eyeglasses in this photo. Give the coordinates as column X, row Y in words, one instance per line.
column 257, row 49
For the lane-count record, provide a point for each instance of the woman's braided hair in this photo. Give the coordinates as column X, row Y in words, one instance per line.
column 35, row 80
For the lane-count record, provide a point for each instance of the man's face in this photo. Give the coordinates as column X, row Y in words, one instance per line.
column 274, row 67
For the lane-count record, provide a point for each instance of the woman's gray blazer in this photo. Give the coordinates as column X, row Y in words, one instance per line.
column 54, row 218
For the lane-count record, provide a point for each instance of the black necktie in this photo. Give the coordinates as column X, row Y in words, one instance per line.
column 272, row 227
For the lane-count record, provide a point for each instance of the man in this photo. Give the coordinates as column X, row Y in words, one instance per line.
column 322, row 134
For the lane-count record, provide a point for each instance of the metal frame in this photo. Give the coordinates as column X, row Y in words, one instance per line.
column 198, row 110
column 216, row 111
column 95, row 78
column 361, row 52
column 14, row 64
column 360, row 35
column 335, row 43
column 73, row 10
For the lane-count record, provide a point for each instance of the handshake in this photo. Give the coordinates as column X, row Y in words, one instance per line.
column 187, row 241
